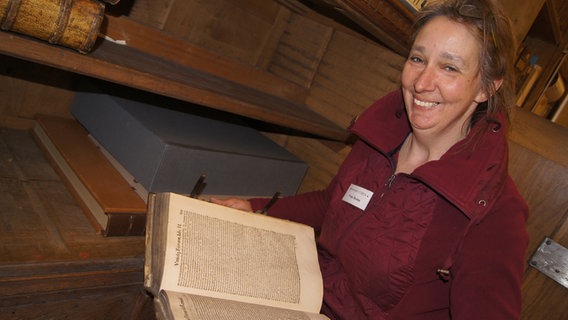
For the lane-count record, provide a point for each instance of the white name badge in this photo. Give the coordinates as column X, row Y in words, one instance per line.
column 358, row 196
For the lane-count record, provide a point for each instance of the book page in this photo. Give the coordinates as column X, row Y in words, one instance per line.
column 226, row 253
column 186, row 306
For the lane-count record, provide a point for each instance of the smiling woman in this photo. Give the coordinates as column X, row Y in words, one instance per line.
column 441, row 88
column 431, row 160
column 492, row 29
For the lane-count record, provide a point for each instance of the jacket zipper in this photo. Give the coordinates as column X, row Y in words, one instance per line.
column 387, row 184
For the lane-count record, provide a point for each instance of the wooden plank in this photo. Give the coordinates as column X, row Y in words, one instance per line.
column 300, row 49
column 342, row 98
column 388, row 21
column 543, row 298
column 324, row 161
column 270, row 45
column 522, row 15
column 54, row 276
column 18, row 167
column 16, row 122
column 540, row 135
column 151, row 12
column 236, row 29
column 29, row 88
column 391, row 22
column 131, row 67
column 105, row 302
column 543, row 184
column 86, row 289
column 161, row 44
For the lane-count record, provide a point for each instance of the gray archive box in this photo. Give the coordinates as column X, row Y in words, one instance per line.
column 167, row 150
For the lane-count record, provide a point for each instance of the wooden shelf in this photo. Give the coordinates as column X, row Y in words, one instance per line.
column 156, row 62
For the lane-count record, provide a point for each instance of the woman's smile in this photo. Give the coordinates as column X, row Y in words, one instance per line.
column 425, row 104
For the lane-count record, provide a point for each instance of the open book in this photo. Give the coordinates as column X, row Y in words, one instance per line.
column 206, row 261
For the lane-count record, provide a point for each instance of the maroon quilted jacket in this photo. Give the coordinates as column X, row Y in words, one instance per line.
column 445, row 242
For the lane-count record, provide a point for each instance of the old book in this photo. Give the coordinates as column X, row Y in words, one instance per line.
column 73, row 24
column 107, row 199
column 205, row 261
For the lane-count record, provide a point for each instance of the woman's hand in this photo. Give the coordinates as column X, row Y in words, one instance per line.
column 236, row 203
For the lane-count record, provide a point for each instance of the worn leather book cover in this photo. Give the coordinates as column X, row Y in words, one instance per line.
column 73, row 24
column 104, row 195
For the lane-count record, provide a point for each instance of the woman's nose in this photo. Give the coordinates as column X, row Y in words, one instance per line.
column 425, row 80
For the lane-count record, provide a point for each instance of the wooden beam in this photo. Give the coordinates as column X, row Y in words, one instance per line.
column 161, row 44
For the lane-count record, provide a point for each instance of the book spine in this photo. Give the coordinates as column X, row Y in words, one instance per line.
column 71, row 23
column 149, row 261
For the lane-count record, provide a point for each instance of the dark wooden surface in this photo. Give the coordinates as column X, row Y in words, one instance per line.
column 538, row 162
column 53, row 263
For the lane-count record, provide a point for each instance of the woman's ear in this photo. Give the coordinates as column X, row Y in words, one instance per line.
column 483, row 96
column 496, row 85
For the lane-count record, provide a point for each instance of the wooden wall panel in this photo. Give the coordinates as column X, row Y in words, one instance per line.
column 300, row 50
column 234, row 28
column 343, row 72
column 522, row 14
column 562, row 7
column 27, row 89
column 388, row 21
column 352, row 75
column 151, row 12
column 323, row 157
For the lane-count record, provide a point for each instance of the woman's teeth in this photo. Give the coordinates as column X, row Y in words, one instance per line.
column 425, row 104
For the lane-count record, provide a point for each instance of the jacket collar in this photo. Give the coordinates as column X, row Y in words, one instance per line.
column 468, row 175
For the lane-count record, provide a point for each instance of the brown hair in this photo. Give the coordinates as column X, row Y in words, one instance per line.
column 493, row 29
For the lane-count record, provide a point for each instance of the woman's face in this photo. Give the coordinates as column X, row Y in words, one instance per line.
column 440, row 80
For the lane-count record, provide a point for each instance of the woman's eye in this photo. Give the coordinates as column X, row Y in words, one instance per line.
column 450, row 68
column 415, row 59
